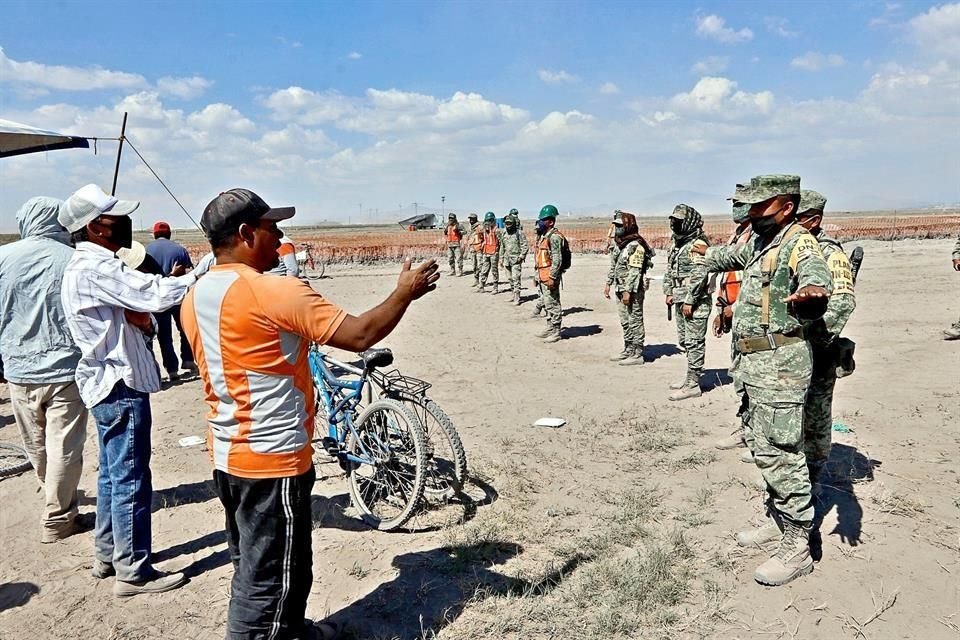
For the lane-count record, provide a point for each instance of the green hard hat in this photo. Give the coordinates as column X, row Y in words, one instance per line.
column 489, row 216
column 548, row 211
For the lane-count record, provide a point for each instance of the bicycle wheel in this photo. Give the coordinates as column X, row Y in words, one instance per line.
column 13, row 460
column 388, row 491
column 446, row 470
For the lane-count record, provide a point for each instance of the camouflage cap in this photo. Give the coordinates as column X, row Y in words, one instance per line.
column 764, row 187
column 616, row 217
column 472, row 216
column 811, row 200
column 452, row 215
column 738, row 192
column 681, row 211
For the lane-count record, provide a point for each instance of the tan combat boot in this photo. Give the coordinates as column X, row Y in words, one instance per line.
column 691, row 388
column 553, row 335
column 747, row 456
column 516, row 299
column 623, row 355
column 792, row 559
column 732, row 441
column 635, row 358
column 769, row 531
column 545, row 332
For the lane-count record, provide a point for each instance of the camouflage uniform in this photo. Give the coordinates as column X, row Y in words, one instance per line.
column 953, row 333
column 455, row 250
column 775, row 381
column 551, row 296
column 514, row 249
column 475, row 227
column 678, row 281
column 490, row 264
column 626, row 276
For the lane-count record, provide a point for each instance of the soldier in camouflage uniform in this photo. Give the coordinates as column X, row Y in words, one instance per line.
column 549, row 265
column 823, row 336
column 953, row 333
column 630, row 257
column 490, row 253
column 538, row 309
column 786, row 286
column 692, row 312
column 513, row 251
column 453, row 234
column 474, row 242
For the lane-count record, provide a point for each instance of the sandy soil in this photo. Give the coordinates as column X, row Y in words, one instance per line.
column 889, row 507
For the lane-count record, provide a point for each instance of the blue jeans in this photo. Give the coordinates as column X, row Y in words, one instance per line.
column 124, row 486
column 165, row 321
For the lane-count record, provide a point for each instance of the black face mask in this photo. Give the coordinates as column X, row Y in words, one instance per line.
column 121, row 233
column 618, row 231
column 676, row 225
column 765, row 226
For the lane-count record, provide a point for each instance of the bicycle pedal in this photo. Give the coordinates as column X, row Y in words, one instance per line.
column 330, row 445
column 345, row 464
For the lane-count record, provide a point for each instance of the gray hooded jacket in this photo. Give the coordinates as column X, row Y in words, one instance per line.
column 35, row 343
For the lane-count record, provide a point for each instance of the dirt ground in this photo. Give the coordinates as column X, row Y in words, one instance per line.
column 619, row 524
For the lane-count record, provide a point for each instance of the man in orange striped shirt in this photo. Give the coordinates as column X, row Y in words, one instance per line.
column 250, row 334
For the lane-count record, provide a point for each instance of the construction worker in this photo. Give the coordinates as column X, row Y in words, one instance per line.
column 475, row 244
column 550, row 268
column 786, row 287
column 630, row 257
column 490, row 253
column 454, row 236
column 514, row 251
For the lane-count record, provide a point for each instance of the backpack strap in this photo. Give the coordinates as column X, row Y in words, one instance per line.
column 767, row 268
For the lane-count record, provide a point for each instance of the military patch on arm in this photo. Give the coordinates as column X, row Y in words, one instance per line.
column 636, row 258
column 841, row 272
column 695, row 257
column 806, row 247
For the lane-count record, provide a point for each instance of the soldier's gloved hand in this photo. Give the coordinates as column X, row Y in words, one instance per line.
column 956, row 264
column 606, row 292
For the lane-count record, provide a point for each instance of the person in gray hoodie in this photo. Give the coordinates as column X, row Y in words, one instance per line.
column 40, row 361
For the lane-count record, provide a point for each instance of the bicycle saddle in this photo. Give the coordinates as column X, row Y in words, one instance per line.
column 374, row 358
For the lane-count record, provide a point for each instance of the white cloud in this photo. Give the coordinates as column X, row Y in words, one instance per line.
column 779, row 27
column 813, row 61
column 66, row 78
column 609, row 89
column 719, row 96
column 713, row 27
column 938, row 30
column 557, row 77
column 354, row 55
column 711, row 65
column 223, row 117
column 306, row 106
column 186, row 88
column 889, row 17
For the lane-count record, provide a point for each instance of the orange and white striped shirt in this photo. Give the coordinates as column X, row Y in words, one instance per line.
column 250, row 334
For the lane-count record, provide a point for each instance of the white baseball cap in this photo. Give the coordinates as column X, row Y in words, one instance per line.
column 90, row 202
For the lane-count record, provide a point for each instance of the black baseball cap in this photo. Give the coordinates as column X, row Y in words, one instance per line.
column 230, row 205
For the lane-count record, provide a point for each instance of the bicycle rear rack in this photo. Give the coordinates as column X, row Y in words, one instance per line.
column 395, row 381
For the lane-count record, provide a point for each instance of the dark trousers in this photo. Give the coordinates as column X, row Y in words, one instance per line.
column 268, row 524
column 165, row 338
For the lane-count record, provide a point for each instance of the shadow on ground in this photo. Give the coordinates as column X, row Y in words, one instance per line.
column 653, row 352
column 713, row 378
column 582, row 332
column 433, row 587
column 16, row 594
column 7, row 420
column 845, row 467
column 569, row 311
column 192, row 493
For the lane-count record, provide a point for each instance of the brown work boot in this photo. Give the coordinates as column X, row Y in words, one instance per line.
column 792, row 559
column 732, row 441
column 102, row 570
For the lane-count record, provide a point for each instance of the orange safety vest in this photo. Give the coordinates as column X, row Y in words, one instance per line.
column 476, row 239
column 543, row 260
column 491, row 244
column 453, row 234
column 730, row 285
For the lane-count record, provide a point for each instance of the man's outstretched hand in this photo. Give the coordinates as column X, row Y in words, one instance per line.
column 807, row 294
column 416, row 283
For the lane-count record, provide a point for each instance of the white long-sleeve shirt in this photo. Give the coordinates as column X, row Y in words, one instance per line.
column 97, row 288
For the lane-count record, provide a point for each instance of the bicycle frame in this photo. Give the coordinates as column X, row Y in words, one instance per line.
column 341, row 397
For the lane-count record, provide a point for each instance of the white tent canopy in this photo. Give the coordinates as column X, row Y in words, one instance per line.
column 17, row 139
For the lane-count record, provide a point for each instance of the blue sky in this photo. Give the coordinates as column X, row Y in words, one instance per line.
column 343, row 107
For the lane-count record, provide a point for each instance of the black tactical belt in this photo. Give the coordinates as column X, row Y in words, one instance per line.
column 769, row 342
